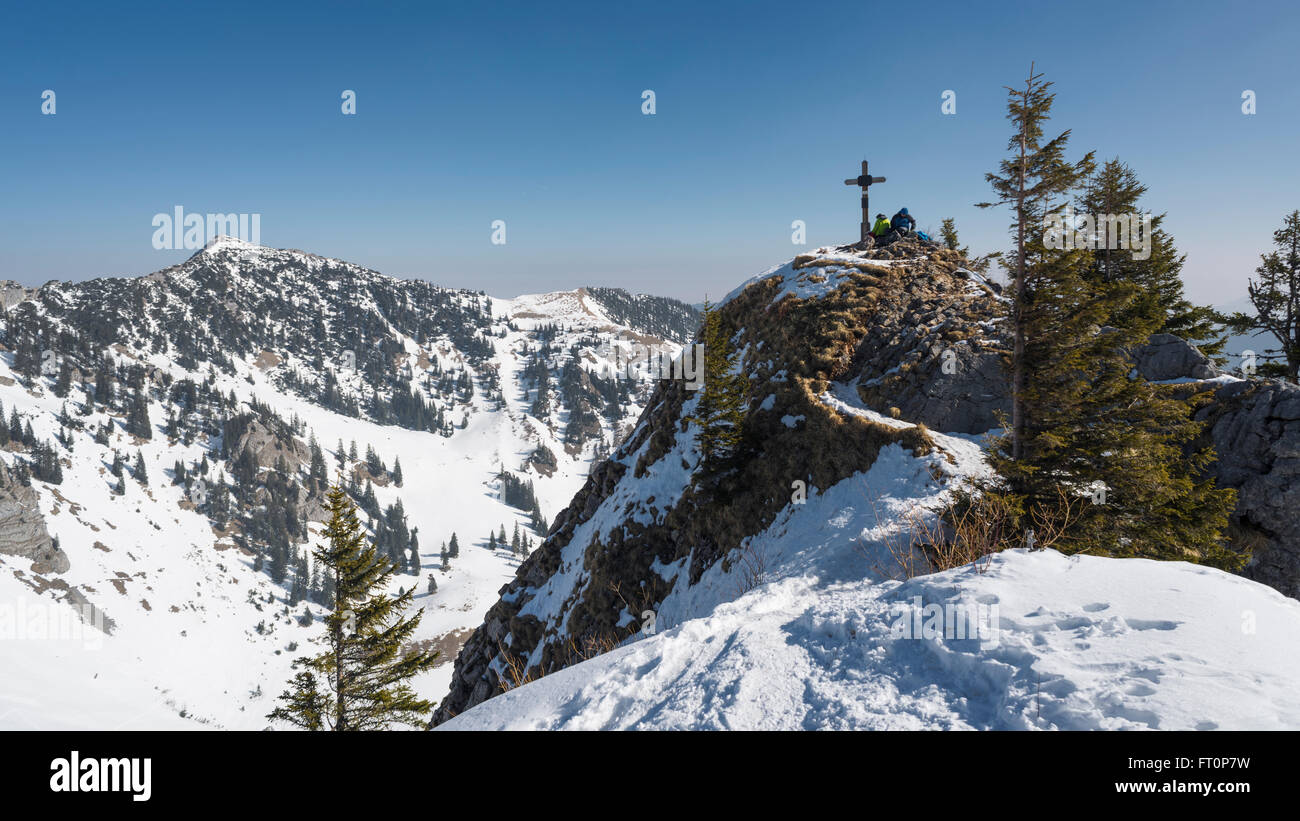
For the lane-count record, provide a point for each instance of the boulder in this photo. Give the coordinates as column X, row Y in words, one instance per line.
column 1166, row 356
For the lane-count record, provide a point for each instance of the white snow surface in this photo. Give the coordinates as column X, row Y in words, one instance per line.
column 1071, row 643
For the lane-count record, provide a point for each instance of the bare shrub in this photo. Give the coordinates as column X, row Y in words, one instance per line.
column 750, row 568
column 973, row 525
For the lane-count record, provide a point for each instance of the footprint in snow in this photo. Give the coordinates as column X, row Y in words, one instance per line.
column 1152, row 624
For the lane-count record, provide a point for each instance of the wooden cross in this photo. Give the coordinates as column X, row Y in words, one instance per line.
column 864, row 182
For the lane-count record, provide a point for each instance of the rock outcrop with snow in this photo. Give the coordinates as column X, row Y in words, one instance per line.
column 665, row 599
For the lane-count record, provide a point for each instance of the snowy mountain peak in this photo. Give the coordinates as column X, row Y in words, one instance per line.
column 223, row 242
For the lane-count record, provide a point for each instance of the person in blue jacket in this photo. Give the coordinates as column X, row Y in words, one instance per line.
column 902, row 222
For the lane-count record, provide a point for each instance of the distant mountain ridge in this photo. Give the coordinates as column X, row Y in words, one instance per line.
column 167, row 440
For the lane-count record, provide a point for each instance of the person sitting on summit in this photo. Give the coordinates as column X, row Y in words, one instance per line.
column 903, row 222
column 880, row 228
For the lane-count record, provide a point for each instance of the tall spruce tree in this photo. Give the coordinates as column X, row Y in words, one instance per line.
column 141, row 475
column 1031, row 180
column 362, row 680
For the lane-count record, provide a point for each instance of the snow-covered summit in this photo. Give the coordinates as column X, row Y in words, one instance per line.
column 223, row 242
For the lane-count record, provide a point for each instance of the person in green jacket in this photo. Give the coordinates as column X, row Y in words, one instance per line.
column 881, row 227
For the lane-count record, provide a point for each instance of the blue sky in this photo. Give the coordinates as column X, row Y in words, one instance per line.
column 531, row 113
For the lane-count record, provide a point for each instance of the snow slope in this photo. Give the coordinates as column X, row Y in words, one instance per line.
column 1068, row 643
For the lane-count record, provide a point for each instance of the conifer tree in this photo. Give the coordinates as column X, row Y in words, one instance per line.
column 720, row 409
column 1084, row 425
column 948, row 233
column 1159, row 302
column 1275, row 300
column 453, row 547
column 362, row 680
column 1030, row 180
column 140, row 475
column 64, row 382
column 137, row 419
column 318, row 473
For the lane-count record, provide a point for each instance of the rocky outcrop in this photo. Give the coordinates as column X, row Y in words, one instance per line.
column 1167, row 357
column 11, row 293
column 268, row 444
column 543, row 460
column 1255, row 429
column 22, row 528
column 597, row 566
column 918, row 337
column 933, row 350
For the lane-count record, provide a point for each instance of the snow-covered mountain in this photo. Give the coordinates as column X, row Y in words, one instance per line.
column 168, row 439
column 790, row 593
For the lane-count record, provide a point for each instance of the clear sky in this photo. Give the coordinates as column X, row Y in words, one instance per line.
column 531, row 113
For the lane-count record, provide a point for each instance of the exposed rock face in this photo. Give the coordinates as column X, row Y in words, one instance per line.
column 593, row 577
column 1166, row 356
column 933, row 349
column 1255, row 427
column 11, row 293
column 267, row 446
column 22, row 528
column 543, row 461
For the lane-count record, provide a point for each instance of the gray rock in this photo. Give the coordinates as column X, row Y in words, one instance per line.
column 22, row 528
column 1258, row 448
column 1166, row 356
column 268, row 446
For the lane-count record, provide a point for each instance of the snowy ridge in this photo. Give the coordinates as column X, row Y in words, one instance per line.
column 814, row 623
